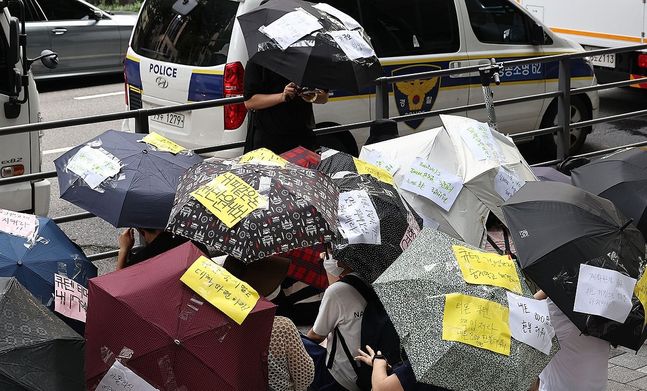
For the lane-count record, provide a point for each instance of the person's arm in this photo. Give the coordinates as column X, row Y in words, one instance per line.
column 327, row 318
column 300, row 364
column 264, row 101
column 126, row 243
column 380, row 380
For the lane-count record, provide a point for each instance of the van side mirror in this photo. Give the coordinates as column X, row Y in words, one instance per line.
column 48, row 58
column 537, row 34
column 14, row 45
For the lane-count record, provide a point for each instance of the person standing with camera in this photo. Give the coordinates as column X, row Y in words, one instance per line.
column 283, row 117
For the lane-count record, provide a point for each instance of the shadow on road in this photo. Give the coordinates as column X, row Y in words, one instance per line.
column 71, row 83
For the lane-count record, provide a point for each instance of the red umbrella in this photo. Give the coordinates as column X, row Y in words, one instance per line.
column 174, row 339
column 306, row 266
column 302, row 157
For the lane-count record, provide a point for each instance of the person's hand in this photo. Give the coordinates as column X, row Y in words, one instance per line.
column 366, row 356
column 127, row 239
column 289, row 92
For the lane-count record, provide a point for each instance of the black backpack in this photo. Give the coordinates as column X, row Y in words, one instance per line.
column 377, row 332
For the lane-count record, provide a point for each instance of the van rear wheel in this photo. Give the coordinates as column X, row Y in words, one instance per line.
column 342, row 141
column 580, row 111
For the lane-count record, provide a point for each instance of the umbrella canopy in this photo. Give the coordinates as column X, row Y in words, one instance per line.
column 38, row 351
column 142, row 179
column 375, row 225
column 455, row 175
column 621, row 178
column 415, row 290
column 35, row 261
column 315, row 46
column 306, row 266
column 557, row 228
column 550, row 174
column 172, row 337
column 301, row 209
column 302, row 157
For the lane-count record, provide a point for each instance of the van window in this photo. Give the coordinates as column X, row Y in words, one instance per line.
column 5, row 68
column 199, row 38
column 407, row 27
column 65, row 10
column 498, row 21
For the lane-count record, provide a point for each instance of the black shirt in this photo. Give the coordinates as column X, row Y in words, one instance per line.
column 162, row 243
column 285, row 125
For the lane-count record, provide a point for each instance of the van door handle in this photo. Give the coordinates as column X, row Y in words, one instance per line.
column 59, row 31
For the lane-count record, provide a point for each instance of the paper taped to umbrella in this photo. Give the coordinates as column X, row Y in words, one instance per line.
column 121, row 378
column 94, row 165
column 228, row 197
column 433, row 182
column 215, row 284
column 376, row 172
column 529, row 322
column 353, row 44
column 604, row 292
column 70, row 298
column 18, row 224
column 263, row 156
column 378, row 159
column 291, row 27
column 477, row 136
column 162, row 143
column 482, row 268
column 448, row 326
column 506, row 182
column 358, row 219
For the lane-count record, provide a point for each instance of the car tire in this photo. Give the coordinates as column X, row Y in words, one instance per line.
column 342, row 141
column 580, row 111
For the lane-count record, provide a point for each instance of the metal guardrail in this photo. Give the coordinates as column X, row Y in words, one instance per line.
column 562, row 129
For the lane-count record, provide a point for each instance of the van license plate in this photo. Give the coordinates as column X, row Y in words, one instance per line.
column 173, row 119
column 604, row 60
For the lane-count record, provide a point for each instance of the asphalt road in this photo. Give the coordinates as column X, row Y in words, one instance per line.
column 76, row 98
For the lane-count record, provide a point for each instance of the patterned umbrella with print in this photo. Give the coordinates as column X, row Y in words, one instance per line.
column 302, row 157
column 375, row 225
column 296, row 207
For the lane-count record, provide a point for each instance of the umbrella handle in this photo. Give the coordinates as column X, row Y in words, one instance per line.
column 626, row 224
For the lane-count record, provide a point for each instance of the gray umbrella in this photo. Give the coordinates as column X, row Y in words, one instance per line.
column 413, row 292
column 37, row 350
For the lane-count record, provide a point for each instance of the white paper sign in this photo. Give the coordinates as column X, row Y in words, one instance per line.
column 506, row 183
column 480, row 141
column 120, row 378
column 358, row 219
column 353, row 44
column 530, row 322
column 346, row 20
column 376, row 158
column 413, row 229
column 18, row 224
column 432, row 182
column 328, row 153
column 604, row 292
column 93, row 165
column 291, row 27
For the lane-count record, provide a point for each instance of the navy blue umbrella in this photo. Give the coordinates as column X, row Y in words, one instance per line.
column 35, row 261
column 141, row 194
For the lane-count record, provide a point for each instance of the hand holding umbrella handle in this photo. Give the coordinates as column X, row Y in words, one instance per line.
column 289, row 91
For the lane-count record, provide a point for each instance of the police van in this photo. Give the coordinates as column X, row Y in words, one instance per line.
column 199, row 53
column 20, row 154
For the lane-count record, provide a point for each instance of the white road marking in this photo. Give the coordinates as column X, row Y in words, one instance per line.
column 57, row 150
column 98, row 95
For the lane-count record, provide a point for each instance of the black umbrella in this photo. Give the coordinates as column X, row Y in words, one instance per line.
column 140, row 194
column 300, row 211
column 393, row 221
column 316, row 59
column 556, row 228
column 38, row 350
column 620, row 177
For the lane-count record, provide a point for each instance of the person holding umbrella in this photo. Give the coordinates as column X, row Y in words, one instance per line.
column 283, row 111
column 156, row 242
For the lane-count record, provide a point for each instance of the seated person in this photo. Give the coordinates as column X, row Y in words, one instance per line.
column 156, row 242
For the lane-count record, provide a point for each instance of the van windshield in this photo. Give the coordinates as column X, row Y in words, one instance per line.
column 197, row 36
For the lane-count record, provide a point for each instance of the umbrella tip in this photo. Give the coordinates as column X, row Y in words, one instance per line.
column 626, row 224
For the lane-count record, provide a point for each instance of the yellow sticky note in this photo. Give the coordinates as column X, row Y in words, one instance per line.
column 374, row 171
column 162, row 143
column 263, row 156
column 216, row 285
column 477, row 322
column 487, row 269
column 641, row 293
column 228, row 197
